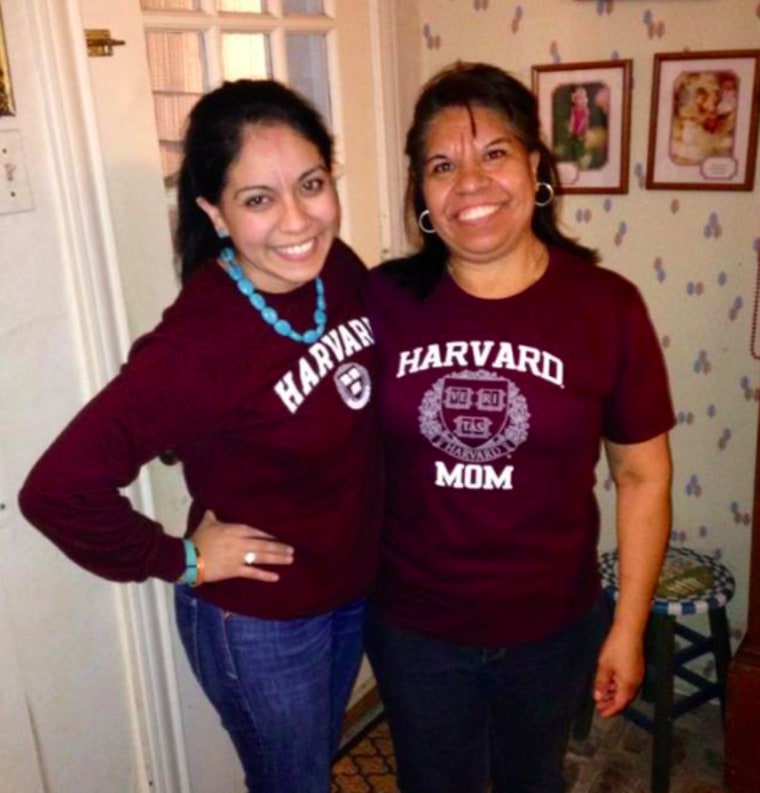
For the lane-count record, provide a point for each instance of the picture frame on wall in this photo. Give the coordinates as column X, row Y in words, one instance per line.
column 7, row 107
column 585, row 111
column 703, row 120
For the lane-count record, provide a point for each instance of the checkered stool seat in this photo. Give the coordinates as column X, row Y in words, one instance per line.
column 690, row 583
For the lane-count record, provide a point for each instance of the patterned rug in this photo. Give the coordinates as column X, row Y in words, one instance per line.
column 615, row 758
column 366, row 764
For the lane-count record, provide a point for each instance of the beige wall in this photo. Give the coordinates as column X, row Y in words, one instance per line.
column 699, row 285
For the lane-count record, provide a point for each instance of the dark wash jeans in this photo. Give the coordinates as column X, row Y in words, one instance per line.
column 280, row 686
column 464, row 717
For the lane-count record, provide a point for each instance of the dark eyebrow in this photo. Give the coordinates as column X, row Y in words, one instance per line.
column 432, row 157
column 502, row 139
column 305, row 175
column 508, row 139
column 311, row 171
column 252, row 187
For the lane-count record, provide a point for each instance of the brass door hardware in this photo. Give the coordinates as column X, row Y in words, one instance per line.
column 100, row 44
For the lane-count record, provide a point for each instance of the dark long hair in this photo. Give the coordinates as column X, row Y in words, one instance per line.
column 476, row 85
column 212, row 143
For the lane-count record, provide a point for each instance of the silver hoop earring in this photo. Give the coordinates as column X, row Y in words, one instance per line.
column 425, row 214
column 549, row 194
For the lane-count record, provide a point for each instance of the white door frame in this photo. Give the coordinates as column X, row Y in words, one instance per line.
column 89, row 253
column 390, row 143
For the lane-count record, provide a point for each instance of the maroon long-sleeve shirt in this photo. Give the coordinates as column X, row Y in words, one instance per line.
column 270, row 432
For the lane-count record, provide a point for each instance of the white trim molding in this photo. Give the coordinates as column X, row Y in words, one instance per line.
column 390, row 154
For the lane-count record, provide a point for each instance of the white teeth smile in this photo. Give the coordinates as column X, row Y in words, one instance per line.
column 475, row 213
column 297, row 250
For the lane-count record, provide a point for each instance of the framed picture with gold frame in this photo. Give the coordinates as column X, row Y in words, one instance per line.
column 703, row 122
column 585, row 111
column 6, row 92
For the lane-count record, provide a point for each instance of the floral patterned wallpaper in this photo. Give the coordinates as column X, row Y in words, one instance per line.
column 694, row 254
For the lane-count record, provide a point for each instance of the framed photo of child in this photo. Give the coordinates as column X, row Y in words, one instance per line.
column 585, row 111
column 703, row 121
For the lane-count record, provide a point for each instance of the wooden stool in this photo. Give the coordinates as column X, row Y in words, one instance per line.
column 690, row 583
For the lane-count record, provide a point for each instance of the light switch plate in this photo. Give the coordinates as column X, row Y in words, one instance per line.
column 15, row 192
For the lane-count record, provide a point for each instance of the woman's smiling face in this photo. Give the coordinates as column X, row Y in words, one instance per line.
column 279, row 207
column 479, row 184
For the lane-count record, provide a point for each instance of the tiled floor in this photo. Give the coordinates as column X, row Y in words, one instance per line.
column 614, row 759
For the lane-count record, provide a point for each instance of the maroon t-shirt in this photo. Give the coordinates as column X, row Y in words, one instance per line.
column 493, row 413
column 272, row 433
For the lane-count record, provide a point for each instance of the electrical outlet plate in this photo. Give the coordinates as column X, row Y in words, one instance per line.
column 15, row 192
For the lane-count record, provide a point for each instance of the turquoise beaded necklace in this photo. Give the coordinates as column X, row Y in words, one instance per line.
column 268, row 314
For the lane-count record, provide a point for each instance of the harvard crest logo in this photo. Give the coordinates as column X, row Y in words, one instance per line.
column 475, row 416
column 354, row 385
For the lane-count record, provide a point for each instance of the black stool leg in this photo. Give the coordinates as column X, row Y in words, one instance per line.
column 721, row 650
column 650, row 656
column 663, row 628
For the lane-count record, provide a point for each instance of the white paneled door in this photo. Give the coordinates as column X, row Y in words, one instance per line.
column 173, row 51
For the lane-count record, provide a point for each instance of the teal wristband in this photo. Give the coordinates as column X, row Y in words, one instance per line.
column 190, row 576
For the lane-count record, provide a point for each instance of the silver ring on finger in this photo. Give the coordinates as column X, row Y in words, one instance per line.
column 250, row 558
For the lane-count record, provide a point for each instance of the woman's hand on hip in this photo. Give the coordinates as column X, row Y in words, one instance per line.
column 234, row 550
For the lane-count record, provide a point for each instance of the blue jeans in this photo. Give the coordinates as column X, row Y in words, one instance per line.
column 280, row 686
column 463, row 717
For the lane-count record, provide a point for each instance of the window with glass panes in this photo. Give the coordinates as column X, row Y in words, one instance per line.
column 193, row 45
